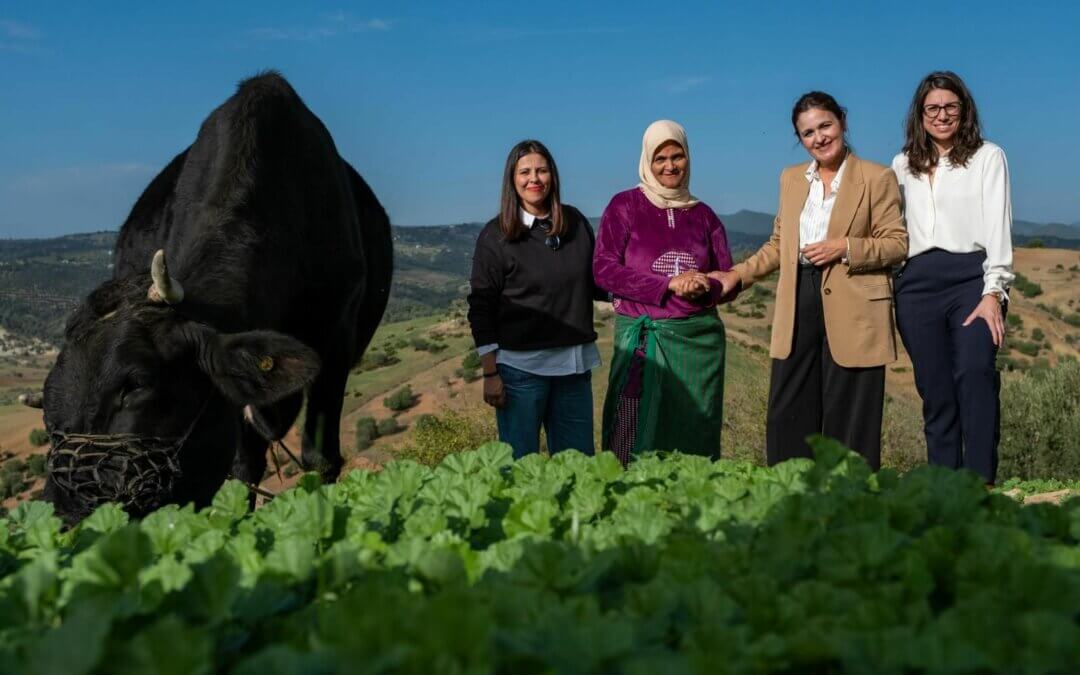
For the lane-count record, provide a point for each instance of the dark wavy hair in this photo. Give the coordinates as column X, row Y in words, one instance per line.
column 822, row 101
column 922, row 154
column 510, row 207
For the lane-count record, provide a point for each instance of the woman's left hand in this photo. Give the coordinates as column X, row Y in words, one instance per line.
column 825, row 252
column 989, row 310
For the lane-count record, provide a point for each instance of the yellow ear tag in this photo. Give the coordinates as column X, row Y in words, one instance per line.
column 266, row 364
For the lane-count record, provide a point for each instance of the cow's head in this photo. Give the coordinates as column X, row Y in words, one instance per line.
column 143, row 401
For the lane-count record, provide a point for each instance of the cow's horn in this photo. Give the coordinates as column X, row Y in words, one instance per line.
column 164, row 289
column 35, row 400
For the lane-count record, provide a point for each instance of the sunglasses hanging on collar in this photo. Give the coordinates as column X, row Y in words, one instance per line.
column 552, row 241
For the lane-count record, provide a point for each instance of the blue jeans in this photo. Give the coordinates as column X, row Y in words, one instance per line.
column 562, row 404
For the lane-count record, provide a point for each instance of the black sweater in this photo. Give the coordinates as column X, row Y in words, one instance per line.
column 525, row 296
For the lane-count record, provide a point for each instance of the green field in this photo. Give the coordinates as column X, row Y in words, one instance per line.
column 563, row 565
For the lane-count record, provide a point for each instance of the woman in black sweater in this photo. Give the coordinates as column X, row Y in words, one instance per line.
column 530, row 308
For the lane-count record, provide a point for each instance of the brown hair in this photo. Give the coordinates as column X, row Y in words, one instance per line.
column 921, row 152
column 822, row 101
column 510, row 207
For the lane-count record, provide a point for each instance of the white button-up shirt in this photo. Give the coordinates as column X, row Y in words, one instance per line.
column 964, row 209
column 814, row 220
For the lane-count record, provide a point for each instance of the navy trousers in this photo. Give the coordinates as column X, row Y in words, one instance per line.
column 954, row 365
column 563, row 405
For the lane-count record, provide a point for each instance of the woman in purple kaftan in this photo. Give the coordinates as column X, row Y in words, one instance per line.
column 655, row 250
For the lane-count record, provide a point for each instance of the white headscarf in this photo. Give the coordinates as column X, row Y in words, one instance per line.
column 657, row 134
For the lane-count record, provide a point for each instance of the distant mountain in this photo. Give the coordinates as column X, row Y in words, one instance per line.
column 41, row 280
column 1045, row 241
column 1058, row 230
column 749, row 222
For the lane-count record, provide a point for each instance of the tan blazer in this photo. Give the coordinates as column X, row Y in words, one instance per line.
column 857, row 297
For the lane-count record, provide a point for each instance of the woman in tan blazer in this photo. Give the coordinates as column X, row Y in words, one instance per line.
column 837, row 232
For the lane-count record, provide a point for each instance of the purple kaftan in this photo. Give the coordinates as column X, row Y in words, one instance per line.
column 640, row 247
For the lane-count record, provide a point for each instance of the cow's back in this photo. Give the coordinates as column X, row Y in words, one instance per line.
column 262, row 221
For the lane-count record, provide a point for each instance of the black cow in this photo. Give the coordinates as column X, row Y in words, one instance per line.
column 279, row 259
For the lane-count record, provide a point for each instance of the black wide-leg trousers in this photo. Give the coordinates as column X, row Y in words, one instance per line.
column 809, row 393
column 954, row 364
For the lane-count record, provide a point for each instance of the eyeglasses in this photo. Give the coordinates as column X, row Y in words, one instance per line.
column 552, row 241
column 951, row 109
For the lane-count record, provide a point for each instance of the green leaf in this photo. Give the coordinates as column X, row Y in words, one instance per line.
column 531, row 516
column 286, row 660
column 229, row 505
column 73, row 648
column 606, row 467
column 211, row 591
column 167, row 647
column 34, row 525
column 171, row 528
column 105, row 519
column 293, row 558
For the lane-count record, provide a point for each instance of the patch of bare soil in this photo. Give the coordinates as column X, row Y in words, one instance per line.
column 1057, row 497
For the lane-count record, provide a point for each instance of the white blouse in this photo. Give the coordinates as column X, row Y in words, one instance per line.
column 965, row 209
column 817, row 210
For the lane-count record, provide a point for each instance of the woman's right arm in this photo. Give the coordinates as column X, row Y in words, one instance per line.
column 609, row 267
column 767, row 259
column 485, row 288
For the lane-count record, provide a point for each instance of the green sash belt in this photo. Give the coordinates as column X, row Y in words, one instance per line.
column 682, row 395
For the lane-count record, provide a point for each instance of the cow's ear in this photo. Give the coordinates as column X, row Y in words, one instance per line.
column 257, row 367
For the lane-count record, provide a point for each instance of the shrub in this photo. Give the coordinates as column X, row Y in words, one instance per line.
column 435, row 437
column 471, row 360
column 402, row 399
column 15, row 467
column 1014, row 320
column 366, row 432
column 1073, row 319
column 1037, row 335
column 1027, row 348
column 1005, row 363
column 1027, row 287
column 903, row 443
column 38, row 437
column 36, row 465
column 468, row 375
column 10, row 485
column 1034, row 243
column 389, row 426
column 378, row 359
column 469, row 367
column 1041, row 424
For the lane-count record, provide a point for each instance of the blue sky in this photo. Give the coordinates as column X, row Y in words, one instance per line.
column 425, row 99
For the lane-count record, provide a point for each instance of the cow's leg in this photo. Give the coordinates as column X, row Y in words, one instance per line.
column 322, row 424
column 249, row 463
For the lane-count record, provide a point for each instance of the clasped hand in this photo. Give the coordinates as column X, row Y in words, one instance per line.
column 689, row 284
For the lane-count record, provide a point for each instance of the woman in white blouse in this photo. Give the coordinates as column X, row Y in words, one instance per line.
column 951, row 294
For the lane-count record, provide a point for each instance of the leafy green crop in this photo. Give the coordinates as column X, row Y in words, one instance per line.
column 568, row 564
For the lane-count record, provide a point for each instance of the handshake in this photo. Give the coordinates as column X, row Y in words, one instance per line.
column 695, row 284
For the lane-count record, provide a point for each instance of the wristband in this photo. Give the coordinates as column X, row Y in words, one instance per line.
column 495, row 374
